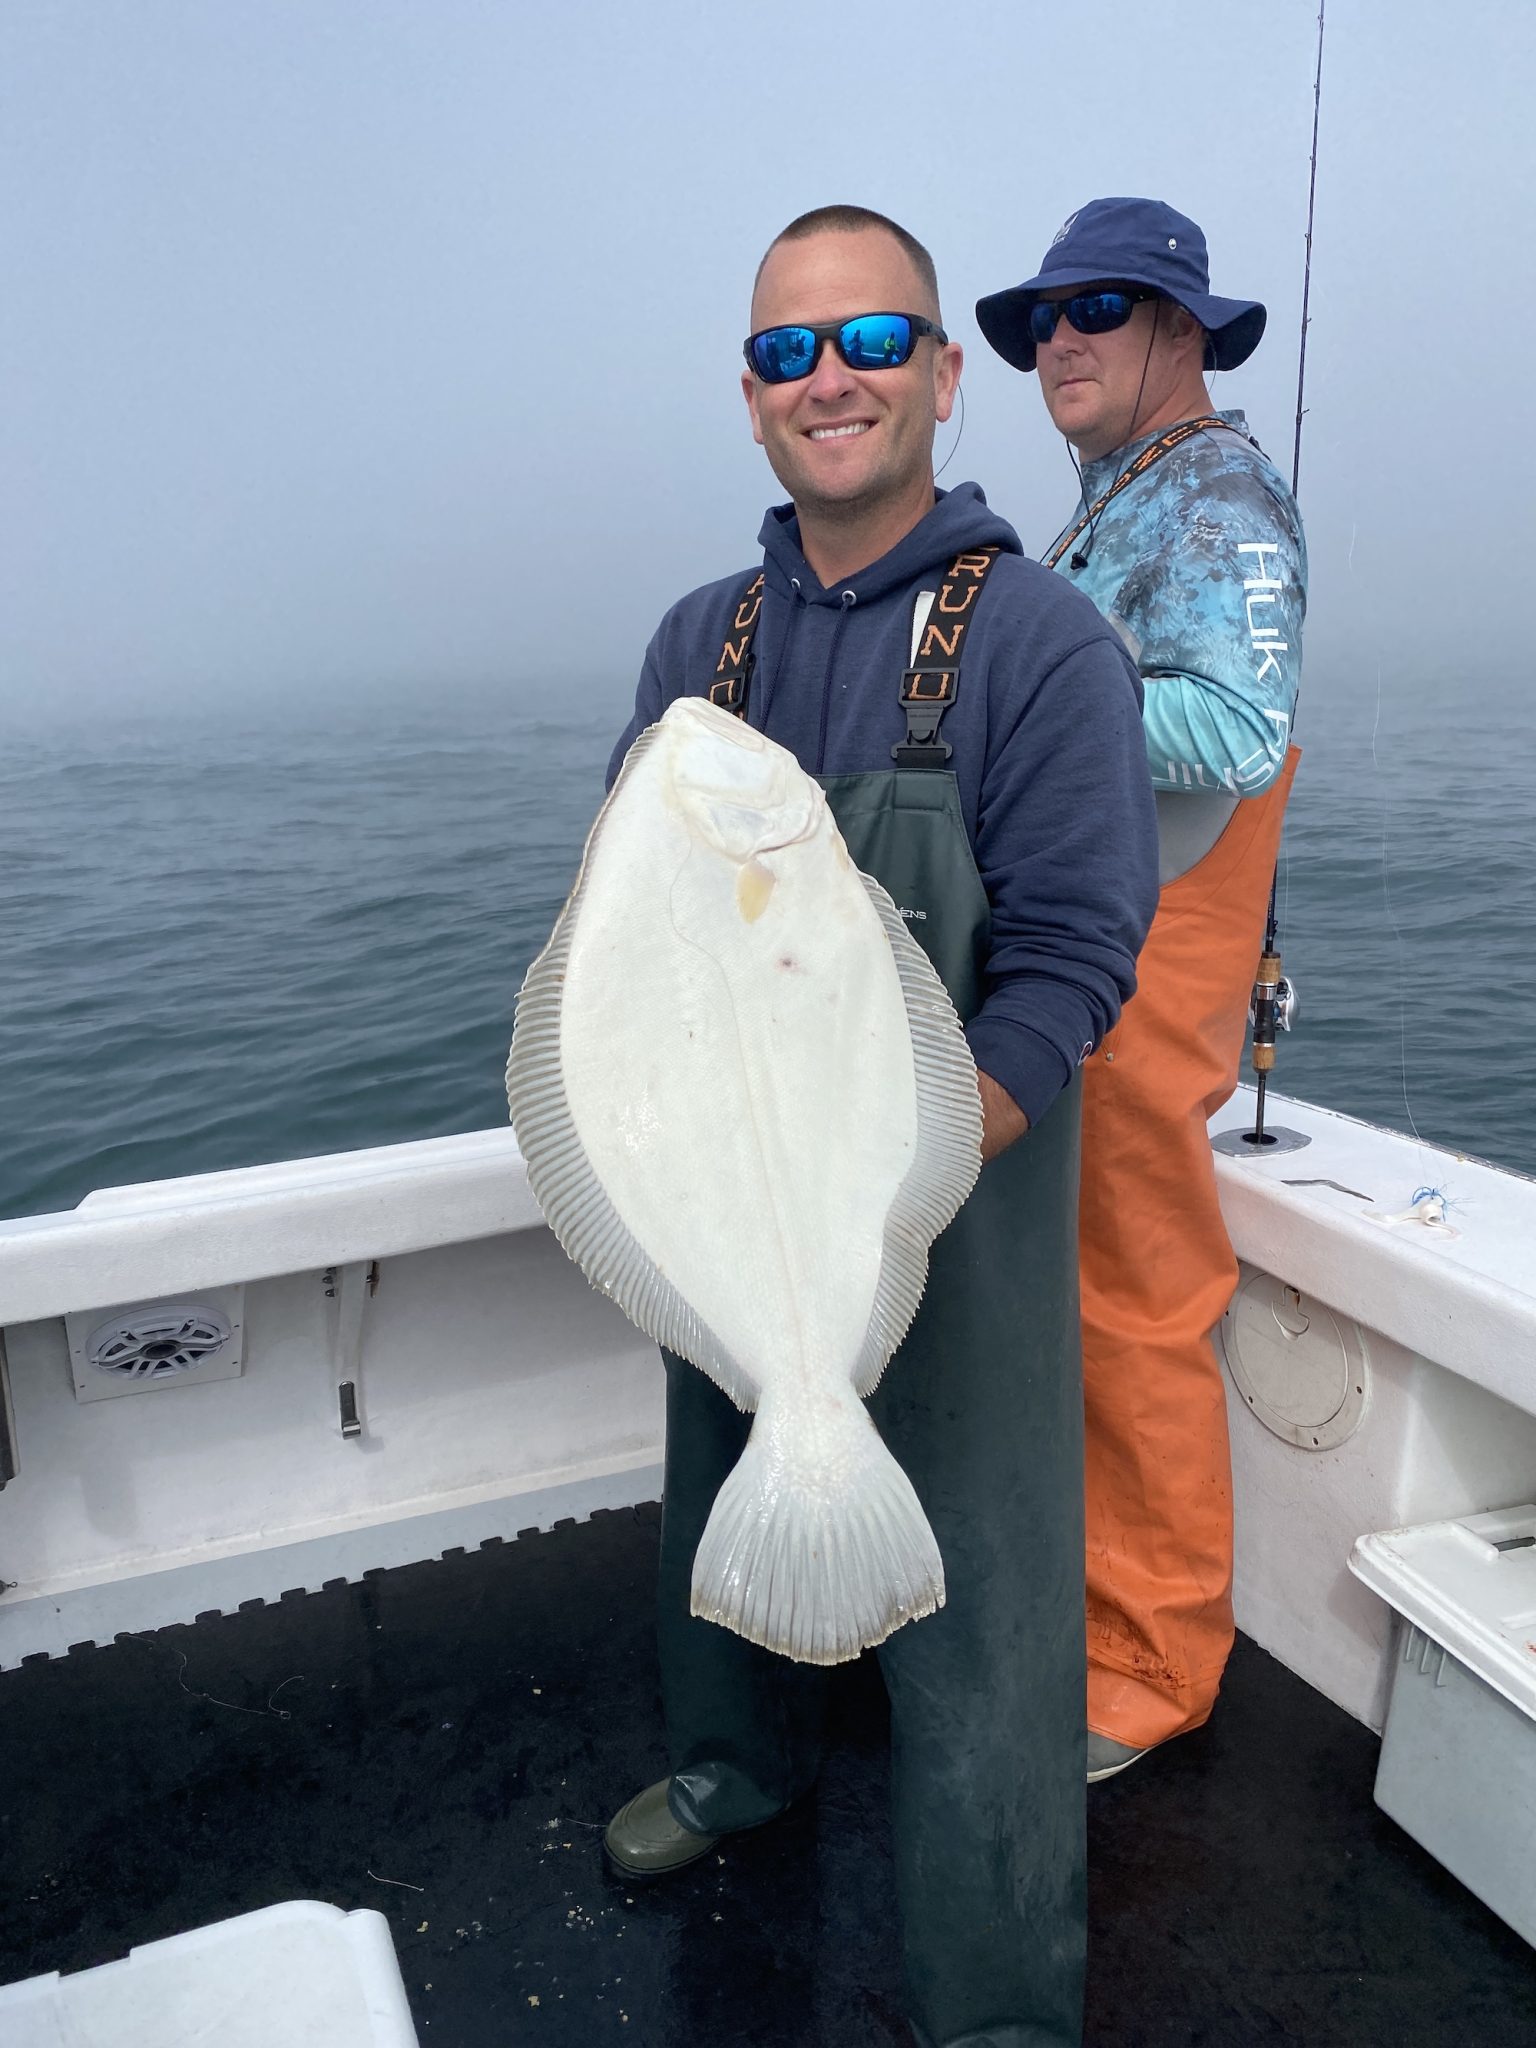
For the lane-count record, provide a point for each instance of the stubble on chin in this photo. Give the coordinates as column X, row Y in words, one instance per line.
column 799, row 480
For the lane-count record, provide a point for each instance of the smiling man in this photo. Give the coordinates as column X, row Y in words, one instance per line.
column 853, row 451
column 976, row 726
column 1187, row 538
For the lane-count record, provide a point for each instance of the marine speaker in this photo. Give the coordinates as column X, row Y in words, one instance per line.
column 157, row 1344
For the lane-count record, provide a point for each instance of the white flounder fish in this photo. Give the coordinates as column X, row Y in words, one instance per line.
column 747, row 1108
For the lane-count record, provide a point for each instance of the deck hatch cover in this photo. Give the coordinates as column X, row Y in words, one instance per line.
column 1301, row 1368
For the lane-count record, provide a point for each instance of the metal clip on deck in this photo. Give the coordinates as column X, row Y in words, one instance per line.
column 349, row 1287
column 9, row 1462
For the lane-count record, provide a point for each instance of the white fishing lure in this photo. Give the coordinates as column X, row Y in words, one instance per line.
column 747, row 1108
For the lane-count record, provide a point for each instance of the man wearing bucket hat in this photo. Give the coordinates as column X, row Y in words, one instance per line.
column 1187, row 538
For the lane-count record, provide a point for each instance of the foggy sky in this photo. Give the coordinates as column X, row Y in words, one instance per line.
column 369, row 346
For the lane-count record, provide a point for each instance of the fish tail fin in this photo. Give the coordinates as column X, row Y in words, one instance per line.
column 817, row 1546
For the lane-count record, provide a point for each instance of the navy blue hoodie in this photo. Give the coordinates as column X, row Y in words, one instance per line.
column 1048, row 754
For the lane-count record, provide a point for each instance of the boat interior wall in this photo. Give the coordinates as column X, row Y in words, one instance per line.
column 1439, row 1327
column 1429, row 1447
column 495, row 1392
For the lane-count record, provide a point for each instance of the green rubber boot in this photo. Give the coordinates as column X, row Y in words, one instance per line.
column 643, row 1840
column 1107, row 1758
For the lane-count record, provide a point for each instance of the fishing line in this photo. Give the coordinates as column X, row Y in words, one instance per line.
column 1386, row 802
column 1397, row 932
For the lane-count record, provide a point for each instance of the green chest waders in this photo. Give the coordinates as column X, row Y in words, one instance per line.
column 982, row 1405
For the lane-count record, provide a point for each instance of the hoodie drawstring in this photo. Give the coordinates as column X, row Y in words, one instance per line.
column 849, row 600
column 796, row 607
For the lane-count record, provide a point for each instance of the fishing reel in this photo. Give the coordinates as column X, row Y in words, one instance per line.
column 1287, row 1004
column 1272, row 1008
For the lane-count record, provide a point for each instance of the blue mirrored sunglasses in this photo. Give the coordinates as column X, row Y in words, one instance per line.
column 870, row 341
column 1095, row 312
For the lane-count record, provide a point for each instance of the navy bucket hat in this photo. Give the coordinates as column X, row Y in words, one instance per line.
column 1126, row 241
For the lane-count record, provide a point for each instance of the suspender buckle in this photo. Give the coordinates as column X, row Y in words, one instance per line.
column 730, row 691
column 926, row 694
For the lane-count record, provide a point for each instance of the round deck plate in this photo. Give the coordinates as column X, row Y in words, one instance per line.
column 1303, row 1370
column 1277, row 1139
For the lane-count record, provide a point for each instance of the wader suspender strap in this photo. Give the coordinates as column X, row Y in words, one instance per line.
column 733, row 671
column 1153, row 452
column 928, row 689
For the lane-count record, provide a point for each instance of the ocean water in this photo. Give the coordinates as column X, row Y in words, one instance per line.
column 230, row 938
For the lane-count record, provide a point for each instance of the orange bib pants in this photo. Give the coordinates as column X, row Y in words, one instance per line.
column 1157, row 1273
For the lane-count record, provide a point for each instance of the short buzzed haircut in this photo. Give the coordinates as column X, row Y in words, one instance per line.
column 854, row 220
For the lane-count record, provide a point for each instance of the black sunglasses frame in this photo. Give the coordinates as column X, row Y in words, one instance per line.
column 916, row 324
column 1063, row 309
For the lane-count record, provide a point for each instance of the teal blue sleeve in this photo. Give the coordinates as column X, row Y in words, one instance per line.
column 1216, row 604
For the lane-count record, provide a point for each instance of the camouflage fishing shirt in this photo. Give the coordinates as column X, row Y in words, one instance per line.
column 1203, row 565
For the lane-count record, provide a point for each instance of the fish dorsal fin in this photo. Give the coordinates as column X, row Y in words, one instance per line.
column 947, row 1158
column 574, row 1202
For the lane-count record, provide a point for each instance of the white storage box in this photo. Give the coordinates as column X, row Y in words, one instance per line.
column 1458, row 1754
column 299, row 1975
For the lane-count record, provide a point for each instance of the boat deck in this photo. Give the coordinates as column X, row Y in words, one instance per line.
column 444, row 1741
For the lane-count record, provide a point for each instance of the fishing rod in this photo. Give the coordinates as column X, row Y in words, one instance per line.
column 1273, row 999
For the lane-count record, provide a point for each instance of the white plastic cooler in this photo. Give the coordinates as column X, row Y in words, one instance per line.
column 298, row 1975
column 1458, row 1753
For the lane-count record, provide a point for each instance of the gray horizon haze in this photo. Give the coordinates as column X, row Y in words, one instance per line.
column 367, row 351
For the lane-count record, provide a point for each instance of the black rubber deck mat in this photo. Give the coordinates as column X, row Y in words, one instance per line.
column 446, row 1741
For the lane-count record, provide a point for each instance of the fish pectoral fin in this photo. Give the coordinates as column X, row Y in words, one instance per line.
column 754, row 885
